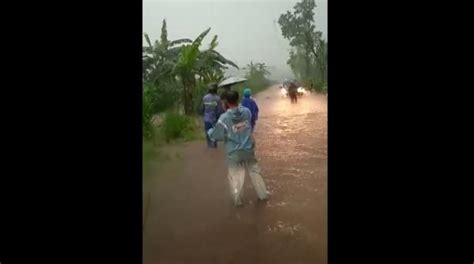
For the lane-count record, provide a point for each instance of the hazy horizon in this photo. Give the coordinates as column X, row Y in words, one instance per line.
column 247, row 30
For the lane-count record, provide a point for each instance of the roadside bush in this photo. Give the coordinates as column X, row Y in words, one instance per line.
column 177, row 126
column 148, row 106
column 198, row 93
column 163, row 95
column 157, row 98
column 320, row 87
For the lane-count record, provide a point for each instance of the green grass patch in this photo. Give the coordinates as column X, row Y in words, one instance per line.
column 180, row 128
column 176, row 128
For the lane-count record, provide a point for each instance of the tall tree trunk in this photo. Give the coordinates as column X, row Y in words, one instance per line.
column 189, row 108
column 188, row 95
column 308, row 67
column 323, row 74
column 185, row 92
column 322, row 69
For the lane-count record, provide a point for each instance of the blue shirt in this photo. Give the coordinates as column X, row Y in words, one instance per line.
column 211, row 107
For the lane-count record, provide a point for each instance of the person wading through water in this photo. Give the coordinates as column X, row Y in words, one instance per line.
column 211, row 109
column 251, row 105
column 234, row 128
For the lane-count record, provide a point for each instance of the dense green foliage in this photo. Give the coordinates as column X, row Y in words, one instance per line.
column 308, row 57
column 257, row 76
column 176, row 126
column 175, row 74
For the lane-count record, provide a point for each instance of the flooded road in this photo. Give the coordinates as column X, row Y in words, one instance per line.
column 190, row 217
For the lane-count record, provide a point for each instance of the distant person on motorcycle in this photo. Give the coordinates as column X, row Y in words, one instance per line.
column 251, row 105
column 233, row 127
column 293, row 92
column 211, row 109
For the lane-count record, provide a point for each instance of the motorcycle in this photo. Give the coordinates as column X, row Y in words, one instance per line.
column 283, row 92
column 301, row 91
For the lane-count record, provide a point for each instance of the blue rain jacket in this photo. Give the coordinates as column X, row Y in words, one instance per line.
column 252, row 106
column 234, row 128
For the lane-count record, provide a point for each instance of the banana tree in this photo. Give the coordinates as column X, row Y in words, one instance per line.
column 192, row 63
column 160, row 58
column 186, row 70
column 211, row 64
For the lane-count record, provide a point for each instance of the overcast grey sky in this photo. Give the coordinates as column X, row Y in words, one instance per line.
column 247, row 29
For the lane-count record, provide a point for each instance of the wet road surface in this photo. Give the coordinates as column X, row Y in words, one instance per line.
column 190, row 217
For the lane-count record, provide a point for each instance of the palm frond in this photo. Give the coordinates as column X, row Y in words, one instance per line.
column 214, row 43
column 198, row 40
column 164, row 34
column 180, row 41
column 223, row 60
column 148, row 40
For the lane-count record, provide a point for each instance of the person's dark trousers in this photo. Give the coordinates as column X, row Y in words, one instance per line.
column 210, row 143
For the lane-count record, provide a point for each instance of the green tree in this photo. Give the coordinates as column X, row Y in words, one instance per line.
column 193, row 63
column 256, row 71
column 298, row 62
column 179, row 63
column 256, row 75
column 211, row 64
column 309, row 47
column 322, row 59
column 160, row 58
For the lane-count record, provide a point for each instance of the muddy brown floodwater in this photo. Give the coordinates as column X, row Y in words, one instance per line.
column 190, row 217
